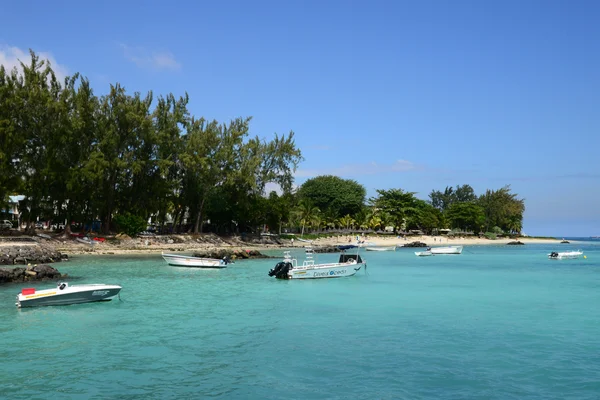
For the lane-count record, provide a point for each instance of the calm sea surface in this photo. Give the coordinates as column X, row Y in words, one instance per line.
column 497, row 322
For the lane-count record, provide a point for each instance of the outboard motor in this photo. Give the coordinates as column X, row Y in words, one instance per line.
column 281, row 269
column 283, row 272
column 276, row 269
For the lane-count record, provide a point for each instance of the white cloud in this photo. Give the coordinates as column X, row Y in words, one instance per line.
column 11, row 57
column 372, row 168
column 143, row 58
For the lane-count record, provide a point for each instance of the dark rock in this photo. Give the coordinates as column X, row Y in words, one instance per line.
column 327, row 249
column 515, row 243
column 31, row 273
column 12, row 255
column 232, row 254
column 415, row 244
column 565, row 241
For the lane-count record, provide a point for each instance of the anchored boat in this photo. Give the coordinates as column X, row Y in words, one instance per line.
column 424, row 253
column 564, row 255
column 381, row 248
column 197, row 262
column 65, row 294
column 347, row 265
column 446, row 250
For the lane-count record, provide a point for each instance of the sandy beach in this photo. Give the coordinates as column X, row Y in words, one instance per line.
column 191, row 243
column 429, row 240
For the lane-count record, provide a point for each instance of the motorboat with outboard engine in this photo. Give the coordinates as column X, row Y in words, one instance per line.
column 65, row 294
column 565, row 255
column 347, row 265
column 197, row 262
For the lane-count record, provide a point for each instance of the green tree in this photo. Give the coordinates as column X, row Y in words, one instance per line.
column 11, row 138
column 396, row 203
column 466, row 216
column 502, row 208
column 443, row 200
column 334, row 196
column 306, row 213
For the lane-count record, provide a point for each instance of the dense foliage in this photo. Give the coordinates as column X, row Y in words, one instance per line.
column 126, row 158
column 334, row 196
column 79, row 157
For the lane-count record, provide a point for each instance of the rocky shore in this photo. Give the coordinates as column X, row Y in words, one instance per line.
column 233, row 254
column 29, row 253
column 29, row 274
column 415, row 244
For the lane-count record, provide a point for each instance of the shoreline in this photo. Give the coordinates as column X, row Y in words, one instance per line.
column 154, row 246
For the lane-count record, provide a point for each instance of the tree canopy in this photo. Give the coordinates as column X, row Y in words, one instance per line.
column 125, row 158
column 334, row 196
column 77, row 156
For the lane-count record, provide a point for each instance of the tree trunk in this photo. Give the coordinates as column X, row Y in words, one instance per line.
column 198, row 216
column 198, row 226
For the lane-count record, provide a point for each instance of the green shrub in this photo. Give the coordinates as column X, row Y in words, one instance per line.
column 490, row 235
column 130, row 224
column 497, row 230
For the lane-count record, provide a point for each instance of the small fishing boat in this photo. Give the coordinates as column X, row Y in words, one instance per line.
column 347, row 265
column 447, row 250
column 179, row 260
column 565, row 255
column 64, row 294
column 381, row 248
column 425, row 253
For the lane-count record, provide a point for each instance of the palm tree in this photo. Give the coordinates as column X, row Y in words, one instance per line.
column 346, row 221
column 306, row 213
column 375, row 222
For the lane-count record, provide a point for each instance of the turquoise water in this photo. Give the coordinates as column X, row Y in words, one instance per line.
column 493, row 323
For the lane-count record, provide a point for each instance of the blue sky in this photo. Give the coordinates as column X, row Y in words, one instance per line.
column 414, row 95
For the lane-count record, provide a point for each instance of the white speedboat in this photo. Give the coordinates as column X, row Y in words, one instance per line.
column 423, row 253
column 196, row 262
column 447, row 250
column 64, row 294
column 564, row 255
column 381, row 248
column 347, row 265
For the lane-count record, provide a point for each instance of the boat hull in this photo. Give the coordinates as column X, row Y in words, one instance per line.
column 325, row 271
column 393, row 248
column 423, row 253
column 193, row 262
column 567, row 255
column 71, row 295
column 447, row 250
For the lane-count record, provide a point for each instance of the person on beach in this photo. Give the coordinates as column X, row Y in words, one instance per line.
column 292, row 242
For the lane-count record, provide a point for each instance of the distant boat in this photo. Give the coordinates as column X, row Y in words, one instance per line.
column 381, row 248
column 346, row 246
column 447, row 250
column 423, row 253
column 565, row 255
column 197, row 262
